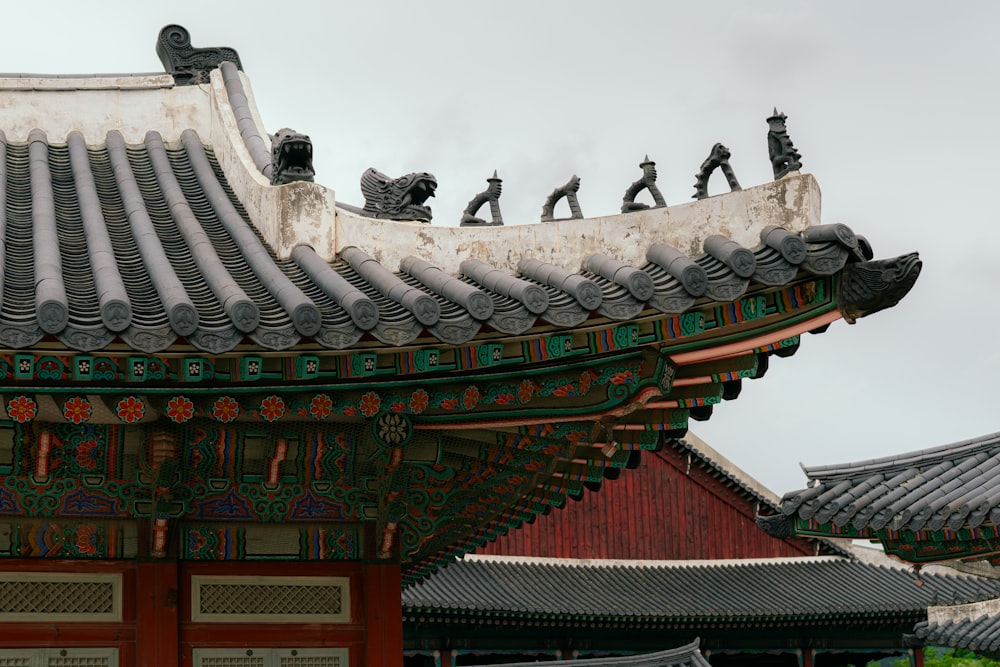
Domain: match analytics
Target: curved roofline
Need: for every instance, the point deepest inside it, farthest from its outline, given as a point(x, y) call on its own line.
point(913, 458)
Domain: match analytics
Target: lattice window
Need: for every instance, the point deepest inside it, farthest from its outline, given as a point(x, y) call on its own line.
point(50, 596)
point(59, 657)
point(276, 657)
point(270, 599)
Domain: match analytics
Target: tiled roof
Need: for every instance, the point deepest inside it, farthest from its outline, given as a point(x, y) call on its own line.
point(148, 243)
point(810, 588)
point(682, 656)
point(975, 627)
point(950, 487)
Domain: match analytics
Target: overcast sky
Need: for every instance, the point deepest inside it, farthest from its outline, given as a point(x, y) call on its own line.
point(894, 107)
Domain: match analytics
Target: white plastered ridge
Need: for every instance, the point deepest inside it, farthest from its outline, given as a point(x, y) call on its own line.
point(305, 213)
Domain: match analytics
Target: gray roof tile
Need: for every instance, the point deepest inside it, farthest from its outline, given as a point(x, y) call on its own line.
point(678, 591)
point(955, 486)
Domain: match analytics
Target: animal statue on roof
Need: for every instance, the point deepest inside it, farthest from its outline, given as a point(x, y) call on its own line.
point(291, 157)
point(717, 159)
point(784, 158)
point(646, 182)
point(868, 287)
point(568, 191)
point(397, 198)
point(490, 195)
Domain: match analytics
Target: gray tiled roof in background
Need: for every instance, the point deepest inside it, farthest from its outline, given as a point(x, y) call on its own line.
point(953, 486)
point(975, 627)
point(816, 588)
point(682, 656)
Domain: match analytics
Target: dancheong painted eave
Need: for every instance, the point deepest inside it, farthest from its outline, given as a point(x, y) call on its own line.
point(376, 388)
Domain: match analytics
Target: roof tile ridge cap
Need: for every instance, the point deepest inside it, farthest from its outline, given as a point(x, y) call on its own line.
point(51, 300)
point(709, 453)
point(420, 304)
point(259, 151)
point(904, 459)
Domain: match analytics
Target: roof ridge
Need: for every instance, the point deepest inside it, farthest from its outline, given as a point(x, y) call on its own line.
point(713, 456)
point(904, 459)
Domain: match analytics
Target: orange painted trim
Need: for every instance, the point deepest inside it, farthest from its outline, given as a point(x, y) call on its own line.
point(750, 344)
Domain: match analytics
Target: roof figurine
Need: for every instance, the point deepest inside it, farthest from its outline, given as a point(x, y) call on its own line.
point(784, 158)
point(291, 157)
point(718, 158)
point(397, 198)
point(568, 191)
point(646, 182)
point(490, 195)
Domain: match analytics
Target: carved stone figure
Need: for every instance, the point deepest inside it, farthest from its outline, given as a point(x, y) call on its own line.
point(718, 158)
point(868, 287)
point(397, 198)
point(784, 157)
point(646, 182)
point(492, 195)
point(291, 157)
point(188, 65)
point(569, 192)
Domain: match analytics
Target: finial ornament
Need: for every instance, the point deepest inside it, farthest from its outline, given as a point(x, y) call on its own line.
point(190, 66)
point(646, 182)
point(492, 195)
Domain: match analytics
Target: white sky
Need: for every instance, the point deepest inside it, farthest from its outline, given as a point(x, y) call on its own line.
point(893, 105)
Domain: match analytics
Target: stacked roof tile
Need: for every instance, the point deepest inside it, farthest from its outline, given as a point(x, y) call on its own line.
point(821, 589)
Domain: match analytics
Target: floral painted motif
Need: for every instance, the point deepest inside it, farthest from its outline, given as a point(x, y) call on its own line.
point(88, 454)
point(470, 397)
point(449, 404)
point(180, 409)
point(393, 429)
point(22, 409)
point(397, 406)
point(586, 378)
point(130, 409)
point(225, 409)
point(87, 540)
point(525, 391)
point(370, 404)
point(77, 410)
point(321, 406)
point(350, 411)
point(564, 390)
point(623, 377)
point(272, 408)
point(504, 399)
point(418, 401)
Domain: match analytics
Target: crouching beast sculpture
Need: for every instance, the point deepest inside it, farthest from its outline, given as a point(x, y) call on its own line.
point(397, 198)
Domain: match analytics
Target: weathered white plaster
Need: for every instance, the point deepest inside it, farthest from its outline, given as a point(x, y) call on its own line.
point(792, 203)
point(963, 612)
point(132, 105)
point(286, 215)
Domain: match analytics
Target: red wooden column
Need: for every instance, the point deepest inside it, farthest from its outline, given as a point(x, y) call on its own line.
point(917, 657)
point(807, 657)
point(157, 634)
point(383, 584)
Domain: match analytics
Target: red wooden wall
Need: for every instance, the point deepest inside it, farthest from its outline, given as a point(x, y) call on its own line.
point(658, 511)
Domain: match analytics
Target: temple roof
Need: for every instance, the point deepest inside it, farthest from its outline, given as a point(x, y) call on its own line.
point(931, 504)
point(680, 592)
